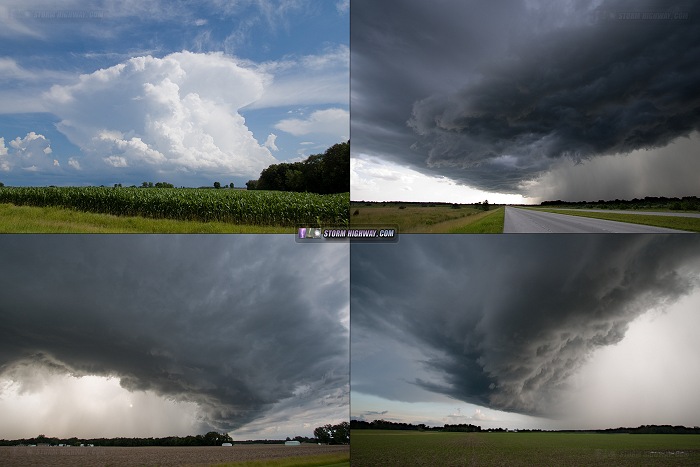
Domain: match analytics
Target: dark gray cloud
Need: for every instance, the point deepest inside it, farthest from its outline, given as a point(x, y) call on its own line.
point(505, 323)
point(494, 95)
point(236, 324)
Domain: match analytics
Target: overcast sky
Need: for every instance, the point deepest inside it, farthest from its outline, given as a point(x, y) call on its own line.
point(523, 332)
point(524, 101)
point(112, 91)
point(172, 335)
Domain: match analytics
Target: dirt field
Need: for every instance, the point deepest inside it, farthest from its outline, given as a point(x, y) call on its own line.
point(161, 456)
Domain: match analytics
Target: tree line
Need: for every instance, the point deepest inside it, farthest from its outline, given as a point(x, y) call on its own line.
point(387, 425)
point(324, 174)
point(643, 429)
point(686, 203)
point(327, 434)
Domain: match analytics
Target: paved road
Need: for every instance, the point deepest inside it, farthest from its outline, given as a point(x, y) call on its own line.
point(527, 221)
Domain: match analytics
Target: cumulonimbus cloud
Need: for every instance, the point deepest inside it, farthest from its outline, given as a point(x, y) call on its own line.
point(176, 113)
point(207, 321)
point(496, 96)
point(506, 324)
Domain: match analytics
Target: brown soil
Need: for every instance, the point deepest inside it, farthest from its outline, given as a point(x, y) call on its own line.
point(161, 456)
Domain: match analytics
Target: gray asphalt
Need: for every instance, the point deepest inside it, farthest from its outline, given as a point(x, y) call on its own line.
point(527, 221)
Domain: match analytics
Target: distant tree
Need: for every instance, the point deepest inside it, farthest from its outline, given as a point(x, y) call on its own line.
point(217, 185)
point(485, 205)
point(341, 433)
point(216, 439)
point(150, 184)
point(230, 185)
point(2, 184)
point(323, 434)
point(333, 434)
point(144, 185)
point(251, 185)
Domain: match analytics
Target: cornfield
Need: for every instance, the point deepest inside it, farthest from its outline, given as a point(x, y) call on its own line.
point(234, 206)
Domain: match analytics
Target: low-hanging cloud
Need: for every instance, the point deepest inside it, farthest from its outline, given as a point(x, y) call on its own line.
point(201, 320)
point(179, 113)
point(506, 324)
point(502, 102)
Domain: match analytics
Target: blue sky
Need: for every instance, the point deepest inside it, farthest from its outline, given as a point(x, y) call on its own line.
point(184, 92)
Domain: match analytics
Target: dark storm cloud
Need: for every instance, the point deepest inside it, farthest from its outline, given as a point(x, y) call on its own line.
point(505, 324)
point(493, 95)
point(233, 323)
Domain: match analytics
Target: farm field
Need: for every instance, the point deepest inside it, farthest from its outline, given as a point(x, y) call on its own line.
point(428, 218)
point(237, 455)
point(408, 448)
point(239, 207)
point(30, 219)
point(670, 221)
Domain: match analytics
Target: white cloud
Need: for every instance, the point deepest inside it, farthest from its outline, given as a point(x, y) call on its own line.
point(29, 153)
point(334, 122)
point(73, 162)
point(4, 163)
point(9, 69)
point(342, 6)
point(311, 79)
point(176, 113)
point(270, 142)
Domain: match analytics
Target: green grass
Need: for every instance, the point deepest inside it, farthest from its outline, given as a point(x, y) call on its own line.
point(338, 459)
point(691, 224)
point(489, 223)
point(263, 208)
point(29, 219)
point(380, 448)
point(414, 218)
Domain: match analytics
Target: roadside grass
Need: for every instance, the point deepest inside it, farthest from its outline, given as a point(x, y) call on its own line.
point(691, 224)
point(412, 218)
point(490, 222)
point(338, 459)
point(30, 219)
point(388, 447)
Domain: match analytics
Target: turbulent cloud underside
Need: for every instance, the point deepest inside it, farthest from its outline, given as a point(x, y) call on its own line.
point(508, 328)
point(201, 320)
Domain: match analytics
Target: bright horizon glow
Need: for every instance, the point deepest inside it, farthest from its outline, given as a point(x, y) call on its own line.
point(372, 179)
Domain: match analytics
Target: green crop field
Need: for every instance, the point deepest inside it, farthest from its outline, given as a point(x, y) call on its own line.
point(411, 448)
point(241, 207)
point(427, 218)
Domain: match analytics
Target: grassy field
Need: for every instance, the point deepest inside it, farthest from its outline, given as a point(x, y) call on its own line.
point(410, 448)
point(239, 207)
point(30, 219)
point(691, 224)
point(428, 218)
point(249, 455)
point(340, 459)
